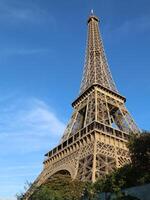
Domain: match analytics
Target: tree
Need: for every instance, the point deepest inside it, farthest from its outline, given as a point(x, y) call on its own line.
point(139, 147)
point(60, 187)
point(133, 174)
point(44, 193)
point(20, 195)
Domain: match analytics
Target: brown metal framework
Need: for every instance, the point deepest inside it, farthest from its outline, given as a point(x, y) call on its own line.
point(94, 142)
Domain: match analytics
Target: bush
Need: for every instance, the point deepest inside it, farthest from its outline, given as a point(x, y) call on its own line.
point(139, 147)
point(59, 187)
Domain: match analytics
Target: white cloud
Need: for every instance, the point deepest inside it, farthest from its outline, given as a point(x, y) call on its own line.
point(28, 126)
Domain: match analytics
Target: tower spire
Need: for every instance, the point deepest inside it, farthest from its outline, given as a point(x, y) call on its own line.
point(92, 12)
point(96, 69)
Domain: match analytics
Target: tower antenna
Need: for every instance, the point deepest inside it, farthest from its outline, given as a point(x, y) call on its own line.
point(92, 11)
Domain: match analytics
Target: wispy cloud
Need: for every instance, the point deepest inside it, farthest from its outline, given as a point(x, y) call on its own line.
point(27, 126)
point(23, 11)
point(8, 198)
point(139, 24)
point(23, 51)
point(130, 27)
point(17, 15)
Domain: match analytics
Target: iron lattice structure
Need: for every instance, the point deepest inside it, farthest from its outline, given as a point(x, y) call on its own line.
point(94, 142)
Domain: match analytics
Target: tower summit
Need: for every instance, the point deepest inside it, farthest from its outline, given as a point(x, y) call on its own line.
point(96, 70)
point(94, 142)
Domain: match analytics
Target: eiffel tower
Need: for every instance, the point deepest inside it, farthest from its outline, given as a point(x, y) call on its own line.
point(94, 142)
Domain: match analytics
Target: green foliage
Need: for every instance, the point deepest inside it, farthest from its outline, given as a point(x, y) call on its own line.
point(120, 178)
point(26, 187)
point(88, 192)
point(136, 173)
point(60, 187)
point(139, 147)
point(44, 194)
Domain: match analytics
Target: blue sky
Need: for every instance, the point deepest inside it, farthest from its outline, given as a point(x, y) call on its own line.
point(42, 46)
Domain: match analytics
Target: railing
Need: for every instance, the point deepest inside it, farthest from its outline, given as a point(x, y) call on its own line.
point(97, 126)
